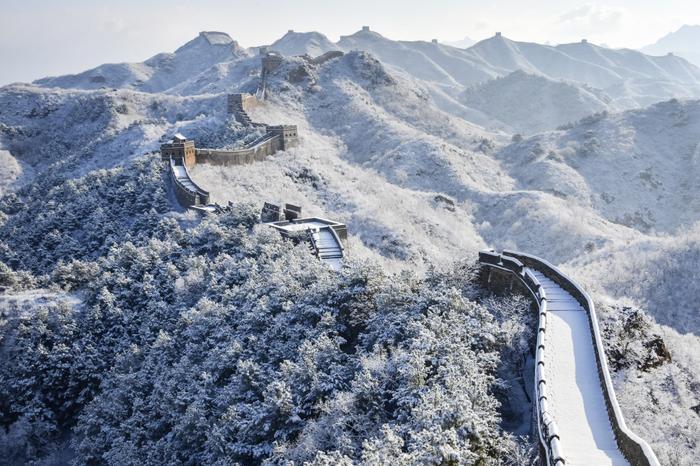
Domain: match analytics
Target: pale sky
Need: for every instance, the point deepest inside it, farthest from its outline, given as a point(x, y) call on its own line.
point(47, 37)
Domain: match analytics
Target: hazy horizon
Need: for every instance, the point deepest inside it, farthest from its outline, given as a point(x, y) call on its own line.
point(39, 39)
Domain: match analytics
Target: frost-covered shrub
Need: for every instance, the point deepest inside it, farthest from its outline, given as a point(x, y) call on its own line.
point(81, 218)
point(220, 344)
point(631, 341)
point(10, 279)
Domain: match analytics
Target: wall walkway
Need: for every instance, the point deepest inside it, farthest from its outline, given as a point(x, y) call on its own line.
point(579, 421)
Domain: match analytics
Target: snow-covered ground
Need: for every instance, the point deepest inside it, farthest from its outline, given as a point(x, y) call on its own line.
point(32, 298)
point(12, 173)
point(303, 43)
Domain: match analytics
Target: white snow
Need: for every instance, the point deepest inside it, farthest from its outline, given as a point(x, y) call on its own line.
point(328, 246)
point(574, 394)
point(305, 224)
point(183, 177)
point(30, 300)
point(12, 171)
point(630, 78)
point(588, 197)
point(158, 73)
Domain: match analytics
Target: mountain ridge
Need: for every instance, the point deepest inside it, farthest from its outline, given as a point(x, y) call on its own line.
point(630, 78)
point(682, 42)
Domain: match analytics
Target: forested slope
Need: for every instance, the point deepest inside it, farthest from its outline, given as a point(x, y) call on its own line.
point(217, 342)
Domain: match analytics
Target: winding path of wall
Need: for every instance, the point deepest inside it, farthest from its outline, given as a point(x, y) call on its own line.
point(579, 421)
point(324, 240)
point(327, 246)
point(188, 193)
point(257, 150)
point(276, 138)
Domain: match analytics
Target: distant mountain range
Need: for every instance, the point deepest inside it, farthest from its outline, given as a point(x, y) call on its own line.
point(587, 77)
point(684, 42)
point(600, 77)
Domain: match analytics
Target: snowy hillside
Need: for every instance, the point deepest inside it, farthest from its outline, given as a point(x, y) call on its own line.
point(159, 73)
point(461, 44)
point(389, 134)
point(683, 42)
point(526, 103)
point(638, 168)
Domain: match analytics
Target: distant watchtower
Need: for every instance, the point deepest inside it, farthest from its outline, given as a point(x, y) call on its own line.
point(271, 61)
point(180, 149)
point(365, 28)
point(498, 34)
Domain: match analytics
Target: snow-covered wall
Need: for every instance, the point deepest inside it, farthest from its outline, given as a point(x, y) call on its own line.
point(521, 265)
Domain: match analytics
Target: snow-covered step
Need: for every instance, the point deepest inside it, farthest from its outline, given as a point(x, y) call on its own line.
point(564, 306)
point(327, 246)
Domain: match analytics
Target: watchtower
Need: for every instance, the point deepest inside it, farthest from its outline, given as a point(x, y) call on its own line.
point(180, 149)
point(287, 133)
point(271, 61)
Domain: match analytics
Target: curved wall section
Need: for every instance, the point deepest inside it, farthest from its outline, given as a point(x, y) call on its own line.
point(567, 301)
point(257, 151)
point(188, 193)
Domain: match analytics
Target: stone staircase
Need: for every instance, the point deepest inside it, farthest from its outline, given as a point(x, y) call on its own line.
point(241, 115)
point(327, 245)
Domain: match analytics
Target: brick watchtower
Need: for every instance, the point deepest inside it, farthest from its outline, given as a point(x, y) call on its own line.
point(180, 149)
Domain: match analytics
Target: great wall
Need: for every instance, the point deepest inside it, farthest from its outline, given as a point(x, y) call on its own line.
point(325, 237)
point(577, 419)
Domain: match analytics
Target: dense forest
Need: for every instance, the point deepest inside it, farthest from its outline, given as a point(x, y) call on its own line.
point(215, 341)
